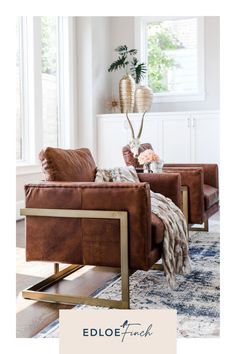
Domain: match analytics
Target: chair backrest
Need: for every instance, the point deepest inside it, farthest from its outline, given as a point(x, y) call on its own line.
point(129, 158)
point(68, 165)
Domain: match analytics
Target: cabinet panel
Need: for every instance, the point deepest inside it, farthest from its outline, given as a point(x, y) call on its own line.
point(112, 136)
point(205, 138)
point(176, 139)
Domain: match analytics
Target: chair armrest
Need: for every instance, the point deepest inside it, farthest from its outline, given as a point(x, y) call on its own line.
point(77, 195)
point(88, 241)
point(192, 177)
point(210, 172)
point(167, 184)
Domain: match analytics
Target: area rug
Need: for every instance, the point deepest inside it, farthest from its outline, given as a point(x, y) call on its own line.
point(196, 297)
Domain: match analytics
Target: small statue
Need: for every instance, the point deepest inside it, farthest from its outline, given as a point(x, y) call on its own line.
point(135, 142)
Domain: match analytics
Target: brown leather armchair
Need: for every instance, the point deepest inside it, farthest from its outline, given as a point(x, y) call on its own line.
point(201, 181)
point(72, 219)
point(129, 158)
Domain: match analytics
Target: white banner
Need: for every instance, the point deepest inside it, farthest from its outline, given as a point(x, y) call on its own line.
point(117, 331)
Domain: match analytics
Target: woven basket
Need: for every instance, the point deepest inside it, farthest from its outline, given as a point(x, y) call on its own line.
point(126, 92)
point(143, 98)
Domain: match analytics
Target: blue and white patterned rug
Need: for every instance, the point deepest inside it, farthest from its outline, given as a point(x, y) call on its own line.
point(196, 297)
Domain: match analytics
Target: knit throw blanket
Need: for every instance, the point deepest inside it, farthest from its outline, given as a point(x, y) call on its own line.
point(175, 257)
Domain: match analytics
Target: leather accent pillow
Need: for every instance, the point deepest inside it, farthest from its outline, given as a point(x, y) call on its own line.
point(68, 165)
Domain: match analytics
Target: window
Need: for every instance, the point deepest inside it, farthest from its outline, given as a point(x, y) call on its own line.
point(18, 93)
point(172, 48)
point(42, 65)
point(49, 50)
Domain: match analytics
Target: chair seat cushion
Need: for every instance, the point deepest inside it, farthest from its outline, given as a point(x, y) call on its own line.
point(157, 230)
point(211, 195)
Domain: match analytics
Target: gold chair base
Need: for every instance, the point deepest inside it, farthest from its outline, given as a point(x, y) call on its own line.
point(157, 266)
point(205, 227)
point(36, 291)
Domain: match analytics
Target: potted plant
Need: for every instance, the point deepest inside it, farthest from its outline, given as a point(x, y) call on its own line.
point(134, 72)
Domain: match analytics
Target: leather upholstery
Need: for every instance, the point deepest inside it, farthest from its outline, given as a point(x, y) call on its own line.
point(70, 185)
point(130, 160)
point(201, 180)
point(211, 211)
point(210, 171)
point(90, 241)
point(167, 184)
point(68, 165)
point(203, 191)
point(211, 195)
point(157, 230)
point(193, 179)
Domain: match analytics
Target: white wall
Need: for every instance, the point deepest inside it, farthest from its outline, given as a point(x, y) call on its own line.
point(21, 180)
point(101, 58)
point(94, 85)
point(101, 55)
point(84, 83)
point(122, 32)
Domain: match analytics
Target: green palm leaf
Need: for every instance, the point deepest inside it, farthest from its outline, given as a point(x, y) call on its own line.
point(118, 64)
point(122, 49)
point(127, 59)
point(133, 51)
point(138, 70)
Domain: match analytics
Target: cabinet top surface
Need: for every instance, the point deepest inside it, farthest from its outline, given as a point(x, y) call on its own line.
point(156, 114)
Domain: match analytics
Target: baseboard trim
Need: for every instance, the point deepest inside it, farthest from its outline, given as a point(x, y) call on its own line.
point(20, 204)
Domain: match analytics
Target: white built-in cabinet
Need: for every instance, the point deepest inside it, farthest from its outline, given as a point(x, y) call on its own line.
point(175, 136)
point(176, 139)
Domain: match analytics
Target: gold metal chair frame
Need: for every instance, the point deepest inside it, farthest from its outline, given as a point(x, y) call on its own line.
point(205, 227)
point(36, 291)
point(184, 191)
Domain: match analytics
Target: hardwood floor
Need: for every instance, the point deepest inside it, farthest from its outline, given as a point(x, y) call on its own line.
point(31, 316)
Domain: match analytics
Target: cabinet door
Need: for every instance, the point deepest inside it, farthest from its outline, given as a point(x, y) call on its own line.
point(112, 136)
point(176, 147)
point(205, 137)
